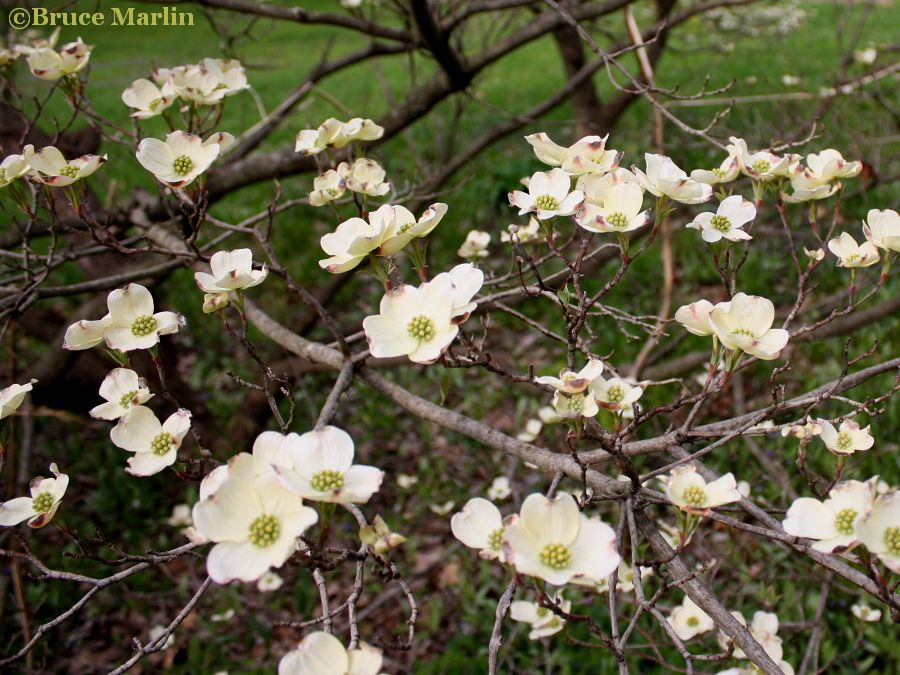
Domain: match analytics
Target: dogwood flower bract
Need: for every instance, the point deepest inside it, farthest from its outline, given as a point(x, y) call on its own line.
point(882, 228)
point(11, 168)
point(475, 245)
point(733, 213)
point(182, 157)
point(365, 176)
point(879, 530)
point(123, 391)
point(762, 165)
point(48, 64)
point(479, 525)
point(544, 622)
point(587, 156)
point(850, 254)
point(327, 187)
point(690, 492)
point(549, 195)
point(323, 654)
point(688, 620)
point(12, 396)
point(847, 439)
point(573, 398)
point(663, 178)
point(695, 317)
point(51, 168)
point(40, 507)
point(831, 523)
point(154, 444)
point(620, 212)
point(615, 394)
point(147, 99)
point(231, 271)
point(745, 324)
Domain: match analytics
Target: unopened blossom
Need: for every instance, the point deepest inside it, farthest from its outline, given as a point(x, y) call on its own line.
point(816, 255)
point(549, 195)
point(762, 165)
point(365, 176)
point(726, 172)
point(802, 431)
point(12, 396)
point(123, 390)
point(326, 188)
point(555, 542)
point(865, 613)
point(480, 525)
point(587, 156)
point(147, 99)
point(882, 228)
point(11, 168)
point(322, 469)
point(522, 234)
point(544, 621)
point(852, 255)
point(499, 489)
point(214, 302)
point(380, 537)
point(154, 444)
point(321, 653)
point(573, 398)
point(531, 431)
point(268, 582)
point(40, 507)
point(130, 323)
point(832, 523)
point(422, 322)
point(663, 178)
point(846, 439)
point(48, 64)
point(231, 271)
point(733, 213)
point(688, 620)
point(50, 167)
point(806, 188)
point(475, 245)
point(690, 492)
point(615, 394)
point(620, 212)
point(695, 317)
point(879, 530)
point(182, 157)
point(255, 528)
point(337, 134)
point(745, 324)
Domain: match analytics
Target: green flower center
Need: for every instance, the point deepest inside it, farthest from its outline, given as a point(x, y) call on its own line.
point(721, 223)
point(892, 540)
point(843, 521)
point(844, 440)
point(573, 404)
point(542, 612)
point(743, 331)
point(143, 325)
point(182, 165)
point(495, 539)
point(2, 175)
point(615, 394)
point(421, 328)
point(617, 219)
point(161, 444)
point(154, 104)
point(693, 621)
point(327, 480)
point(264, 531)
point(718, 172)
point(547, 203)
point(42, 503)
point(694, 496)
point(761, 165)
point(128, 399)
point(852, 258)
point(556, 556)
point(332, 192)
point(69, 171)
point(405, 228)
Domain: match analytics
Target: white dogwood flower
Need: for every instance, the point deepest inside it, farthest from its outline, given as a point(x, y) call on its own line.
point(829, 165)
point(549, 195)
point(596, 185)
point(615, 394)
point(879, 530)
point(832, 523)
point(553, 541)
point(587, 156)
point(531, 431)
point(499, 489)
point(48, 64)
point(850, 254)
point(690, 492)
point(130, 323)
point(620, 212)
point(544, 622)
point(154, 444)
point(50, 167)
point(41, 506)
point(402, 226)
point(764, 629)
point(726, 172)
point(123, 391)
point(359, 129)
point(806, 188)
point(573, 398)
point(180, 516)
point(475, 245)
point(865, 613)
point(745, 324)
point(254, 527)
point(321, 653)
point(480, 525)
point(733, 213)
point(206, 82)
point(663, 178)
point(270, 581)
point(762, 165)
point(688, 620)
point(147, 99)
point(847, 439)
point(12, 396)
point(182, 157)
point(326, 188)
point(231, 271)
point(337, 134)
point(882, 228)
point(11, 168)
point(322, 469)
point(365, 176)
point(695, 317)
